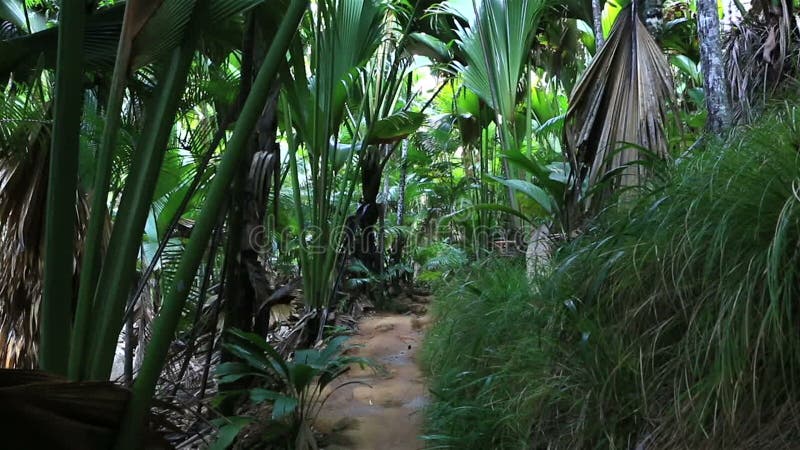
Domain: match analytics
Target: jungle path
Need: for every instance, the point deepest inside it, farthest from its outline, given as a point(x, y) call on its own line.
point(387, 415)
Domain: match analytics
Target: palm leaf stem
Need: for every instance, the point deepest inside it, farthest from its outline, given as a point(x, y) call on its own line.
point(165, 324)
point(56, 315)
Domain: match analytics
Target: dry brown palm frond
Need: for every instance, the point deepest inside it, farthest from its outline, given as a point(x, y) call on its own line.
point(761, 54)
point(46, 411)
point(22, 196)
point(23, 186)
point(621, 99)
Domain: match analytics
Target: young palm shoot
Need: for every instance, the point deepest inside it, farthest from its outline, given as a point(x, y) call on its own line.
point(346, 34)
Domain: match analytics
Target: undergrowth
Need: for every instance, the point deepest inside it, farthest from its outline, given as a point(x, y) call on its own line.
point(479, 355)
point(671, 323)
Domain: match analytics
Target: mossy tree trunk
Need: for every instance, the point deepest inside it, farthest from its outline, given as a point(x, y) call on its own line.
point(597, 22)
point(719, 116)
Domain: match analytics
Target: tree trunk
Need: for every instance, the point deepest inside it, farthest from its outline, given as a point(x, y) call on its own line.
point(248, 285)
point(719, 116)
point(597, 18)
point(369, 211)
point(397, 251)
point(507, 140)
point(400, 242)
point(128, 370)
point(382, 226)
point(239, 295)
point(539, 250)
point(513, 222)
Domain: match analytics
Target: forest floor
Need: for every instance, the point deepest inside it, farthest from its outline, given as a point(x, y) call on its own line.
point(386, 414)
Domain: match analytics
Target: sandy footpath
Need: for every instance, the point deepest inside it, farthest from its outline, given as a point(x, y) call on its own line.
point(387, 415)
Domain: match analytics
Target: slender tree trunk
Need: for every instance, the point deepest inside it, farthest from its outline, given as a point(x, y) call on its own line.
point(397, 251)
point(144, 316)
point(129, 344)
point(239, 294)
point(597, 19)
point(716, 90)
point(401, 198)
point(513, 222)
point(381, 237)
point(507, 140)
point(382, 225)
point(191, 342)
point(247, 282)
point(370, 210)
point(483, 216)
point(237, 306)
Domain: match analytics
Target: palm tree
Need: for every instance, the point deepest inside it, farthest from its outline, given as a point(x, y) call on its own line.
point(495, 48)
point(343, 37)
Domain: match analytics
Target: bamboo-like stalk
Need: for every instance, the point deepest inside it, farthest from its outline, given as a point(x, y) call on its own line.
point(116, 278)
point(56, 315)
point(90, 268)
point(191, 342)
point(194, 186)
point(165, 324)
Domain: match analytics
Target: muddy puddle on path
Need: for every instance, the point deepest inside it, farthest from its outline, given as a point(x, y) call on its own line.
point(387, 415)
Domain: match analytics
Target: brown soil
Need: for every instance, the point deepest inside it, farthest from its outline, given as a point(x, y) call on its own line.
point(387, 415)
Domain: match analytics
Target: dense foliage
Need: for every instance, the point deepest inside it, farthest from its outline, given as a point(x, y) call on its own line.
point(668, 323)
point(485, 357)
point(172, 171)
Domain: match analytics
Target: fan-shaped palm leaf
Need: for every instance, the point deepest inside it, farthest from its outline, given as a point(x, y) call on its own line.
point(23, 182)
point(156, 28)
point(496, 46)
point(622, 98)
point(346, 34)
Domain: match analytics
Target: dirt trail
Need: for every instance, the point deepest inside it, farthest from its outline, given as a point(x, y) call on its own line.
point(387, 416)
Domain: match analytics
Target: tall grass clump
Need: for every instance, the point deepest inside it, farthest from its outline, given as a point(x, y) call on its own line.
point(672, 322)
point(682, 322)
point(480, 356)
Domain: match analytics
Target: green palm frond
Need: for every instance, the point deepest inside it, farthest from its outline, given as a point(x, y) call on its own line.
point(100, 44)
point(344, 35)
point(21, 115)
point(495, 47)
point(621, 99)
point(347, 34)
point(161, 31)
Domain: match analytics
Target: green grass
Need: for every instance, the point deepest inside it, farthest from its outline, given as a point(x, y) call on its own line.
point(673, 320)
point(479, 355)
